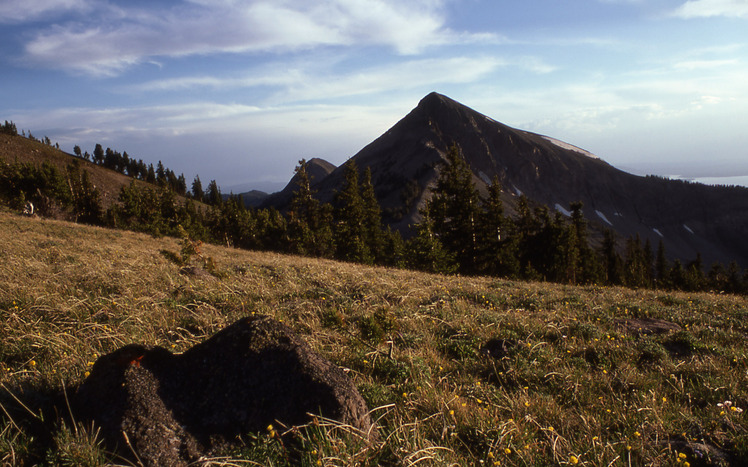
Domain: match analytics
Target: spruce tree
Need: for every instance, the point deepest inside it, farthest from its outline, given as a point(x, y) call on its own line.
point(662, 276)
point(612, 262)
point(376, 238)
point(350, 234)
point(497, 243)
point(425, 251)
point(455, 208)
point(197, 189)
point(309, 223)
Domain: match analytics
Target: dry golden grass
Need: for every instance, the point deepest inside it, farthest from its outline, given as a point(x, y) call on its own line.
point(573, 387)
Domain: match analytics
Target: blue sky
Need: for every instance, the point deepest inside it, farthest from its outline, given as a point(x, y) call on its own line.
point(239, 91)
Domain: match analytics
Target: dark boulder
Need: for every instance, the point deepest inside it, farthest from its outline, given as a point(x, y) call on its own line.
point(171, 409)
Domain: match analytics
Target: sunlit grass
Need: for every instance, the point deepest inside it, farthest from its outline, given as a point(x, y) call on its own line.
point(568, 384)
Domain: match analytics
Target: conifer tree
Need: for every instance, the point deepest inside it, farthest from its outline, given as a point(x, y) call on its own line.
point(425, 251)
point(662, 276)
point(588, 267)
point(375, 234)
point(612, 262)
point(98, 154)
point(351, 235)
point(151, 174)
point(309, 223)
point(213, 194)
point(197, 189)
point(454, 208)
point(497, 243)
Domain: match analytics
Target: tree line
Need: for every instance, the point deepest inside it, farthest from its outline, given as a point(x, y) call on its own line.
point(460, 231)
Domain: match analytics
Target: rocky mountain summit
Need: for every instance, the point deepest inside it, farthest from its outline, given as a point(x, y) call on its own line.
point(689, 218)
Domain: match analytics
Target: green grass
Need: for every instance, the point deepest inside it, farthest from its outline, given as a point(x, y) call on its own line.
point(572, 384)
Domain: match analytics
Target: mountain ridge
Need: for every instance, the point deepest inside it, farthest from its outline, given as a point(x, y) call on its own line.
point(690, 218)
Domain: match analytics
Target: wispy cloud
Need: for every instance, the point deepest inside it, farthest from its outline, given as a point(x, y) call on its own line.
point(711, 8)
point(121, 37)
point(14, 12)
point(305, 82)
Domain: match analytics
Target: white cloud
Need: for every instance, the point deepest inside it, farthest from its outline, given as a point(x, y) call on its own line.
point(303, 81)
point(15, 12)
point(711, 8)
point(691, 65)
point(120, 37)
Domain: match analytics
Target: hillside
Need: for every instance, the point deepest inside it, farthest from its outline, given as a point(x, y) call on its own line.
point(689, 218)
point(480, 372)
point(19, 149)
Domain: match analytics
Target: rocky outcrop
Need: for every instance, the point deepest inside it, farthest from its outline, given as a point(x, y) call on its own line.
point(171, 409)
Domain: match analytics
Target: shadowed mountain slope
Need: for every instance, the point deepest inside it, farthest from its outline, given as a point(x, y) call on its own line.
point(688, 217)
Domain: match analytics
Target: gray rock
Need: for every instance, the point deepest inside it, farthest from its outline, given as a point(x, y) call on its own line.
point(169, 410)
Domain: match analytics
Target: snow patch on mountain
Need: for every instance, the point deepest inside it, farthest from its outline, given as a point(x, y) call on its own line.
point(688, 228)
point(570, 147)
point(602, 216)
point(658, 233)
point(563, 211)
point(517, 190)
point(484, 177)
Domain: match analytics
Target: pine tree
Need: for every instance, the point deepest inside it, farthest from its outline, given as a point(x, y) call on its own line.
point(497, 243)
point(161, 174)
point(425, 251)
point(309, 223)
point(213, 194)
point(662, 276)
point(98, 154)
point(455, 208)
point(197, 189)
point(151, 174)
point(376, 238)
point(612, 262)
point(351, 238)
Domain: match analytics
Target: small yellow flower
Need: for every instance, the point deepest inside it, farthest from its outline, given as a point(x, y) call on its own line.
point(270, 428)
point(507, 451)
point(452, 412)
point(573, 460)
point(637, 434)
point(32, 363)
point(86, 374)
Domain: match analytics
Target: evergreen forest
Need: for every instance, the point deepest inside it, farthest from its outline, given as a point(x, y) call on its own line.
point(461, 232)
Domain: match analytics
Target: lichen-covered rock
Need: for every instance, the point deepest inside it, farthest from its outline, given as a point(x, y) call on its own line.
point(171, 409)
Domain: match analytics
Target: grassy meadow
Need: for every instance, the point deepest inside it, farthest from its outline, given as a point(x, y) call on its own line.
point(457, 370)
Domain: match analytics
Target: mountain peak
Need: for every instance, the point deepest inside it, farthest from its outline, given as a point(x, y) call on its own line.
point(434, 100)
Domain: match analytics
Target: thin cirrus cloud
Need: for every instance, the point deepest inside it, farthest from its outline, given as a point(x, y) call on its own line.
point(712, 8)
point(307, 83)
point(11, 12)
point(119, 38)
